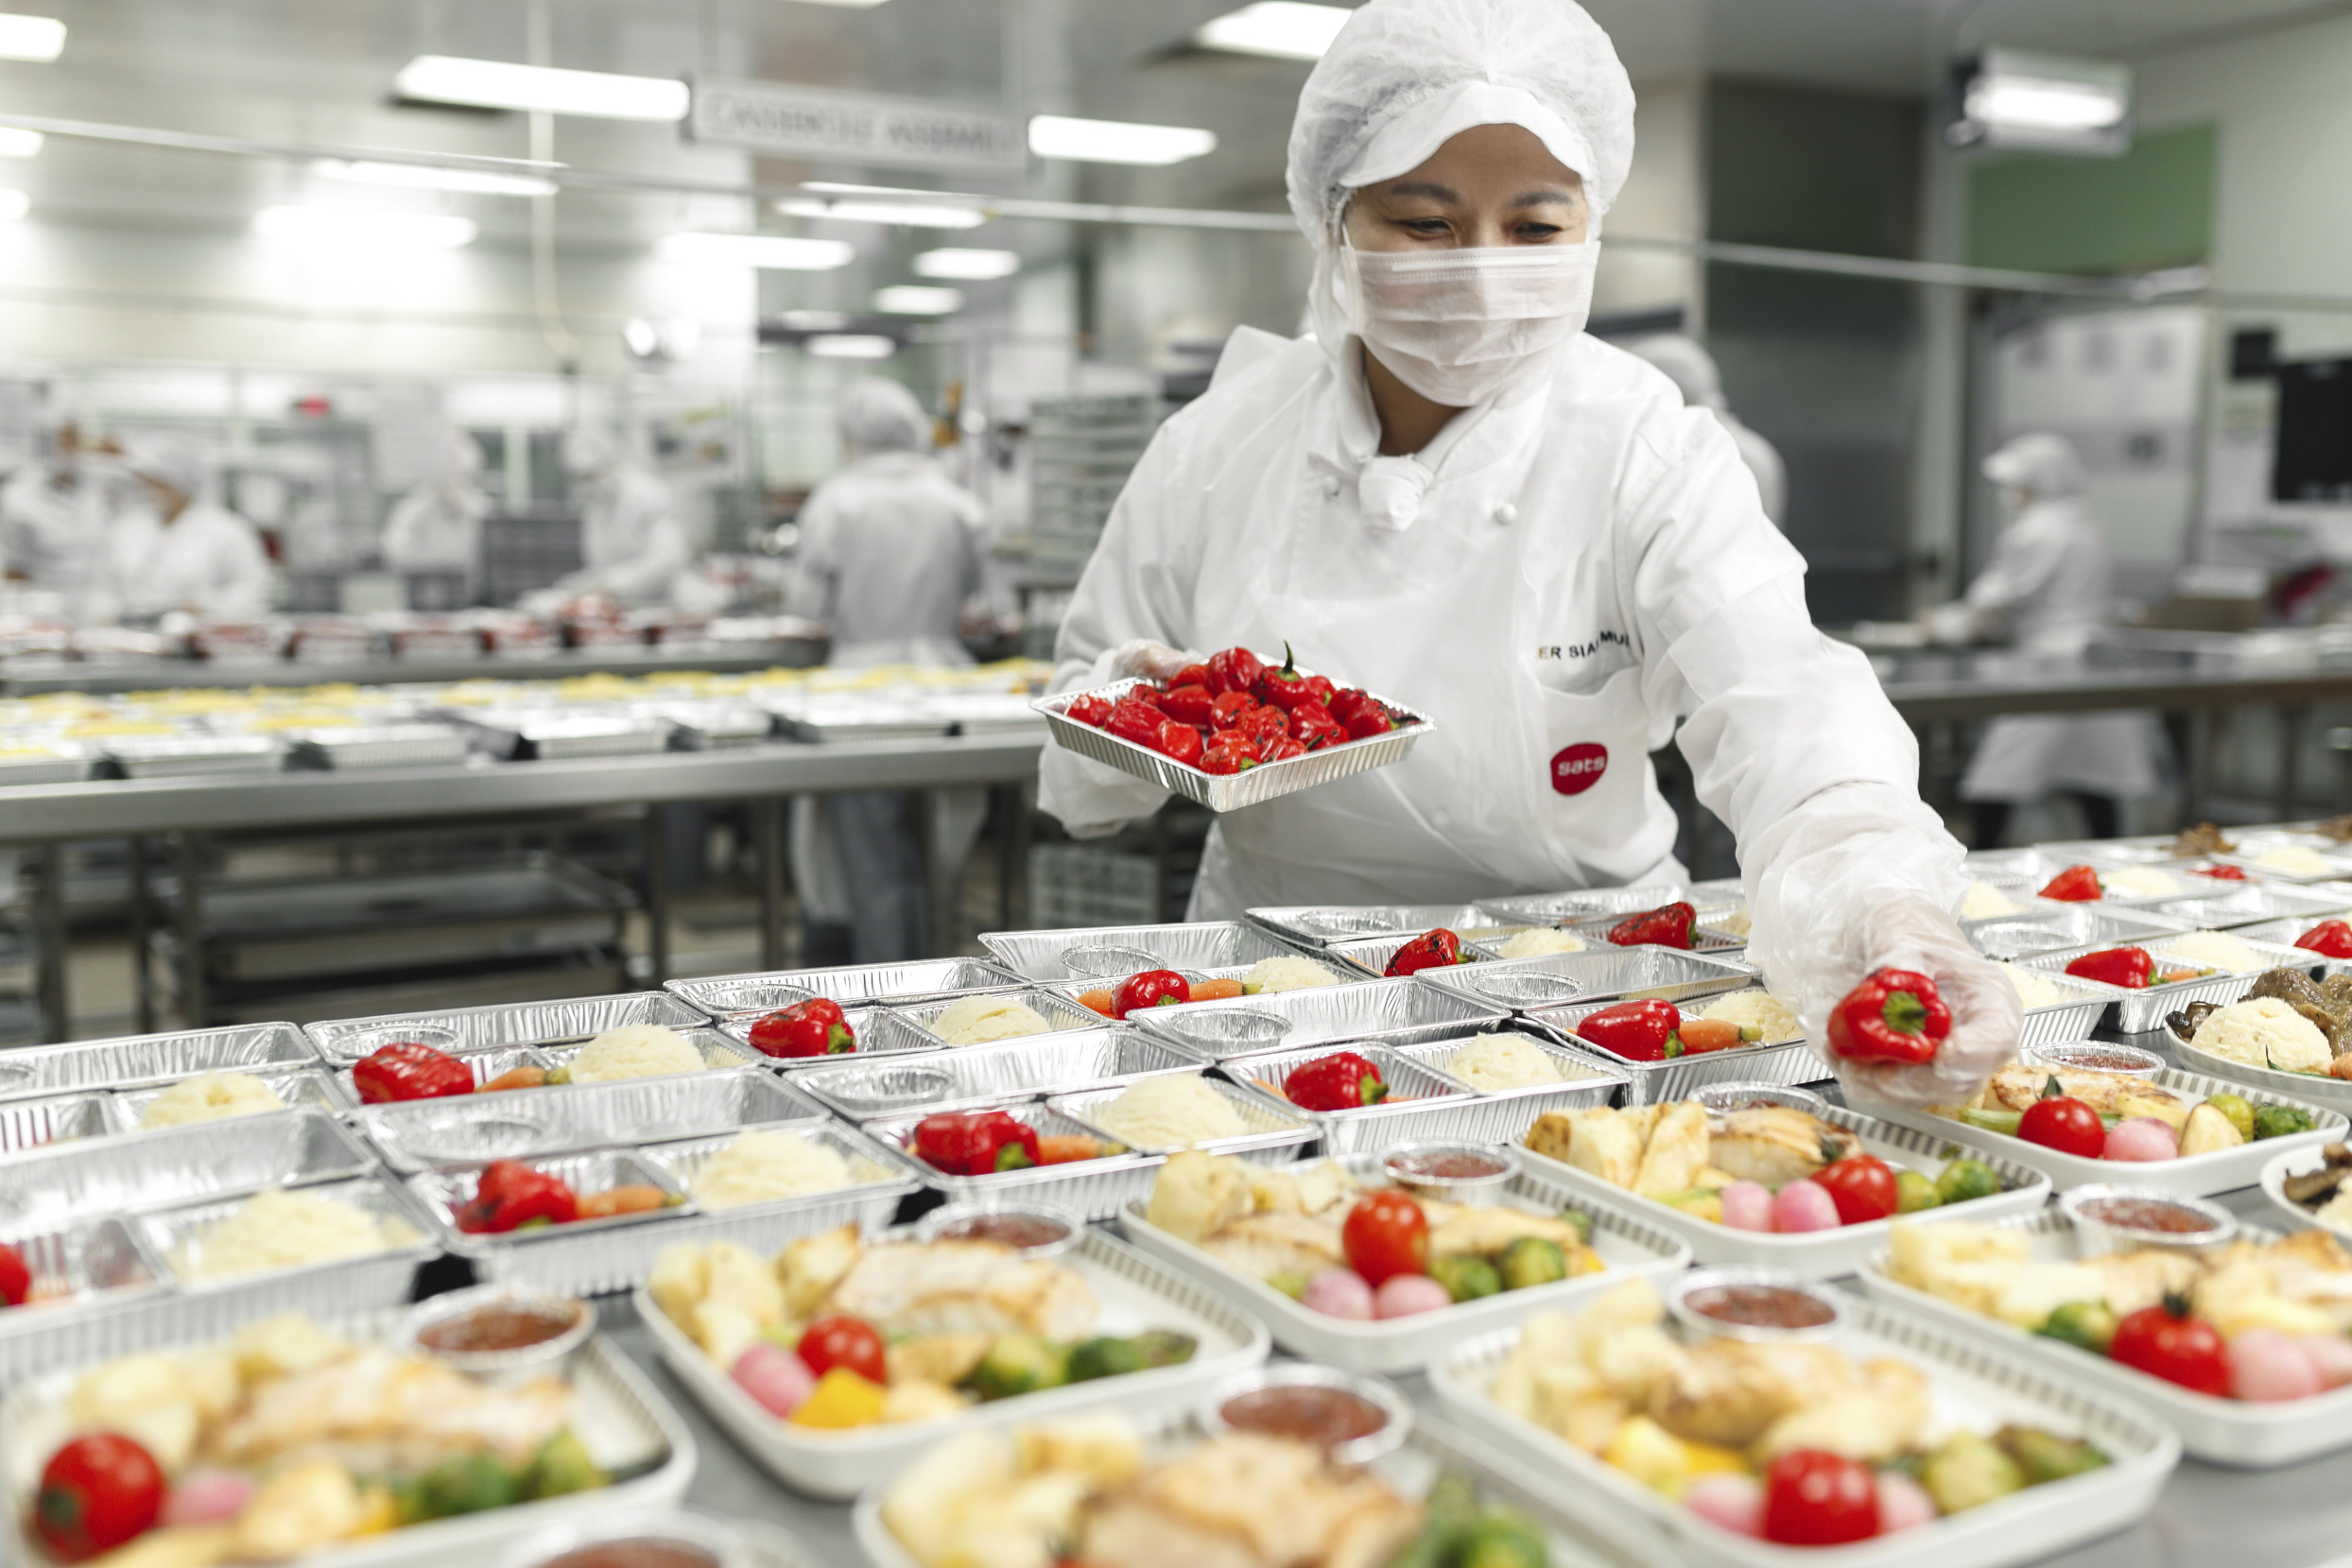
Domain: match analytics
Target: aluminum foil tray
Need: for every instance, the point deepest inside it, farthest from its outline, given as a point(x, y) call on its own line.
point(1060, 1012)
point(313, 1090)
point(2147, 850)
point(1579, 903)
point(473, 1128)
point(1371, 954)
point(441, 1194)
point(2135, 1011)
point(681, 1162)
point(2282, 934)
point(485, 1065)
point(362, 746)
point(879, 1031)
point(2054, 926)
point(1014, 1068)
point(919, 981)
point(55, 762)
point(1228, 792)
point(1394, 1012)
point(2249, 858)
point(116, 1175)
point(61, 1119)
point(152, 1058)
point(177, 1236)
point(552, 735)
point(346, 1039)
point(1199, 945)
point(1275, 1133)
point(721, 1052)
point(1778, 1063)
point(1703, 936)
point(1319, 925)
point(178, 756)
point(96, 1269)
point(1425, 1104)
point(1094, 1188)
point(1526, 985)
point(2263, 901)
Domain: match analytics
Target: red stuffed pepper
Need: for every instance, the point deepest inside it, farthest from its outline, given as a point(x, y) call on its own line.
point(1895, 1015)
point(1341, 1081)
point(1669, 925)
point(2221, 873)
point(510, 1195)
point(2075, 884)
point(1191, 705)
point(816, 1028)
point(407, 1071)
point(2329, 939)
point(1179, 742)
point(1431, 949)
point(1095, 711)
point(1136, 721)
point(974, 1143)
point(2128, 967)
point(1153, 987)
point(1639, 1031)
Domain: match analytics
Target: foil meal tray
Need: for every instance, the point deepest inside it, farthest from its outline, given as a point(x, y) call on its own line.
point(1507, 1113)
point(1394, 1012)
point(49, 762)
point(1095, 1189)
point(1527, 985)
point(1320, 925)
point(2280, 933)
point(2263, 901)
point(484, 1065)
point(1192, 945)
point(1371, 955)
point(527, 1123)
point(178, 1235)
point(59, 1119)
point(879, 1032)
point(553, 734)
point(721, 1052)
point(2042, 930)
point(358, 748)
point(1012, 1069)
point(1060, 1012)
point(1234, 791)
point(922, 981)
point(1423, 1103)
point(2137, 1011)
point(1704, 938)
point(309, 1090)
point(1274, 1132)
point(344, 1041)
point(1580, 904)
point(118, 1174)
point(181, 756)
point(1780, 1064)
point(40, 1070)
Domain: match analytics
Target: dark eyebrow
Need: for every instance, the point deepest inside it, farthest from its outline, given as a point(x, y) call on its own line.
point(1545, 198)
point(1429, 188)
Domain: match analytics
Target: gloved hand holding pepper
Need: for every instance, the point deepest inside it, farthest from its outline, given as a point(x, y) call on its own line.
point(1951, 988)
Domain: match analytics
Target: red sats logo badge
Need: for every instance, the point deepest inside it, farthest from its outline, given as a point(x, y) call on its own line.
point(1577, 768)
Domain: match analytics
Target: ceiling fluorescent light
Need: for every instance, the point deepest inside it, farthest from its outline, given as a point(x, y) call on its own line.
point(13, 205)
point(38, 39)
point(2005, 98)
point(2032, 105)
point(918, 299)
point(358, 228)
point(496, 84)
point(1116, 141)
point(1284, 29)
point(422, 177)
point(853, 345)
point(780, 251)
point(20, 143)
point(914, 214)
point(967, 266)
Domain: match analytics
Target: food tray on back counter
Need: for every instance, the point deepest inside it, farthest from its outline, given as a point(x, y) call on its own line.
point(43, 1070)
point(1321, 924)
point(878, 1031)
point(1778, 1063)
point(922, 981)
point(1137, 1292)
point(116, 1175)
point(1527, 985)
point(1092, 1189)
point(1392, 1012)
point(467, 1129)
point(1274, 1130)
point(2263, 901)
point(1964, 1377)
point(344, 1041)
point(968, 1075)
point(1231, 791)
point(2137, 1011)
point(2284, 934)
point(1060, 1013)
point(2194, 1175)
point(1203, 944)
point(2052, 926)
point(1629, 1245)
point(181, 756)
point(592, 1257)
point(1580, 904)
point(626, 1425)
point(1425, 1104)
point(1704, 938)
point(2241, 1434)
point(345, 748)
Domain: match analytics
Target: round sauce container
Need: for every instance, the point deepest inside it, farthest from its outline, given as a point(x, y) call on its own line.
point(2147, 1214)
point(1761, 1306)
point(495, 1328)
point(1764, 1305)
point(1012, 1228)
point(1447, 1165)
point(2111, 1217)
point(1315, 1413)
point(1468, 1173)
point(645, 1552)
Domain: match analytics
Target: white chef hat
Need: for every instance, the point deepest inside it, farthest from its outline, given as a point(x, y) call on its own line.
point(875, 414)
point(178, 462)
point(2044, 464)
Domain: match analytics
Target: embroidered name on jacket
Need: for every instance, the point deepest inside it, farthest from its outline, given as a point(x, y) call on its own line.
point(1585, 651)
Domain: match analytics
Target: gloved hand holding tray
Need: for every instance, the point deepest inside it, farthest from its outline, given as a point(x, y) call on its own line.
point(1233, 732)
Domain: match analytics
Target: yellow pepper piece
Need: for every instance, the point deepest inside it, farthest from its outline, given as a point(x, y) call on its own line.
point(1651, 1455)
point(379, 1509)
point(840, 1400)
point(1712, 1460)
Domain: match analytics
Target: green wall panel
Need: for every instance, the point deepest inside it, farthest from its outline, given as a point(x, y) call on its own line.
point(2150, 208)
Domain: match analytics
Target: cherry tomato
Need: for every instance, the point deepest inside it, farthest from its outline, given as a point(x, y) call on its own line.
point(2066, 1124)
point(1386, 1234)
point(839, 1341)
point(2164, 1341)
point(16, 1280)
point(1815, 1498)
point(1861, 1185)
point(98, 1491)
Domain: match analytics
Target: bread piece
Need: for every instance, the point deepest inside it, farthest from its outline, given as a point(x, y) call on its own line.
point(1677, 1151)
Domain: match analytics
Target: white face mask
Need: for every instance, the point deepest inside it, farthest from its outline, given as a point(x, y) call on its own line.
point(1458, 326)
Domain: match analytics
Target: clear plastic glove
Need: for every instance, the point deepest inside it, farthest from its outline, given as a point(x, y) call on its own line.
point(1913, 934)
point(1142, 659)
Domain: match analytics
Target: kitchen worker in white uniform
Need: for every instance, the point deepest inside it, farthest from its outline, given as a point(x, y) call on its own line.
point(53, 521)
point(437, 525)
point(890, 550)
point(632, 547)
point(172, 548)
point(2049, 589)
point(1693, 371)
point(1451, 495)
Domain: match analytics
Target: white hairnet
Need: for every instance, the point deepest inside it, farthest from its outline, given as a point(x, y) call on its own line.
point(465, 454)
point(1689, 367)
point(178, 462)
point(589, 449)
point(1405, 75)
point(2043, 464)
point(875, 414)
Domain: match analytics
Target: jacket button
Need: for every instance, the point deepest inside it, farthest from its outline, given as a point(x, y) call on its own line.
point(1506, 513)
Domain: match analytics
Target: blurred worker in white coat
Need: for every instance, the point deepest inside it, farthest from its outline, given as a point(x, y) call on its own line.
point(890, 549)
point(632, 545)
point(174, 548)
point(1455, 497)
point(53, 521)
point(1693, 371)
point(437, 525)
point(2049, 589)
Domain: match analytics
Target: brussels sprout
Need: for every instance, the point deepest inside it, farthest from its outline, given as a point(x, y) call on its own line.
point(1019, 1364)
point(472, 1483)
point(1967, 1471)
point(2277, 1121)
point(1965, 1179)
point(2089, 1324)
point(1913, 1192)
point(1531, 1261)
point(562, 1467)
point(2044, 1458)
point(1465, 1279)
point(1104, 1357)
point(1164, 1347)
point(1581, 1221)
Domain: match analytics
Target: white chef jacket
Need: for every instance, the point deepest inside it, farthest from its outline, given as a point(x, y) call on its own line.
point(630, 544)
point(52, 534)
point(1763, 462)
point(1589, 563)
point(207, 561)
point(890, 551)
point(437, 527)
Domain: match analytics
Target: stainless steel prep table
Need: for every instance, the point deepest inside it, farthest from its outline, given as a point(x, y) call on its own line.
point(21, 679)
point(42, 816)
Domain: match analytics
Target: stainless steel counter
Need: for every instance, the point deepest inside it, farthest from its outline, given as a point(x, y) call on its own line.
point(26, 680)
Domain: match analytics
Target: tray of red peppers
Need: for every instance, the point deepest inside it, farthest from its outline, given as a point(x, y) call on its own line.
point(1235, 729)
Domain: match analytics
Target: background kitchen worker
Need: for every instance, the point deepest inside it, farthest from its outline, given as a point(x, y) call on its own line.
point(1454, 497)
point(890, 550)
point(174, 548)
point(53, 521)
point(2049, 589)
point(437, 525)
point(630, 544)
point(1692, 371)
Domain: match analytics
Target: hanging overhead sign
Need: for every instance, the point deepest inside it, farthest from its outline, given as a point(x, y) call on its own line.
point(864, 128)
